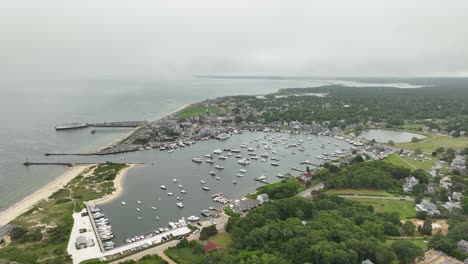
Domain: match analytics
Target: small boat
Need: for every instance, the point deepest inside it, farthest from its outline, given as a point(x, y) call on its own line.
point(206, 188)
point(217, 151)
point(280, 175)
point(229, 154)
point(274, 158)
point(183, 191)
point(179, 198)
point(208, 156)
point(139, 202)
point(197, 159)
point(222, 157)
point(162, 148)
point(243, 145)
point(264, 155)
point(264, 160)
point(254, 157)
point(235, 151)
point(239, 175)
point(170, 151)
point(238, 156)
point(193, 218)
point(139, 218)
point(219, 167)
point(243, 170)
point(223, 136)
point(154, 208)
point(261, 177)
point(180, 186)
point(212, 173)
point(203, 182)
point(174, 180)
point(170, 194)
point(210, 161)
point(180, 205)
point(157, 218)
point(138, 209)
point(163, 187)
point(274, 164)
point(124, 203)
point(218, 178)
point(234, 181)
point(243, 162)
point(251, 149)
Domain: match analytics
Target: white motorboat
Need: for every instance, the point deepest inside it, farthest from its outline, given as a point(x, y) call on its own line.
point(212, 173)
point(163, 187)
point(243, 145)
point(222, 157)
point(180, 205)
point(261, 177)
point(217, 151)
point(170, 151)
point(183, 191)
point(193, 218)
point(203, 182)
point(264, 160)
point(219, 167)
point(197, 159)
point(223, 136)
point(210, 161)
point(180, 186)
point(124, 203)
point(174, 180)
point(254, 157)
point(218, 178)
point(229, 154)
point(243, 170)
point(274, 164)
point(243, 162)
point(179, 198)
point(280, 175)
point(154, 208)
point(138, 209)
point(208, 156)
point(234, 181)
point(239, 175)
point(139, 202)
point(264, 155)
point(206, 188)
point(238, 156)
point(170, 194)
point(235, 151)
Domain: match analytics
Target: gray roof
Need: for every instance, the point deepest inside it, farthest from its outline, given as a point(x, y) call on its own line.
point(81, 240)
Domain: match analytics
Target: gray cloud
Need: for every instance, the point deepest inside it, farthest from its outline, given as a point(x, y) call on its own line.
point(64, 39)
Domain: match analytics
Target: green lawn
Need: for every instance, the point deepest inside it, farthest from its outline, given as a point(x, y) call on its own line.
point(432, 142)
point(417, 241)
point(223, 239)
point(197, 110)
point(183, 255)
point(404, 208)
point(411, 163)
point(368, 192)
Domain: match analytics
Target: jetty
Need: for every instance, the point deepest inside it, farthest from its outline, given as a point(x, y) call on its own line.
point(70, 164)
point(262, 181)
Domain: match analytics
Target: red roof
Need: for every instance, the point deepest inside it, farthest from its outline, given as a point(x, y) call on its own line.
point(212, 245)
point(308, 174)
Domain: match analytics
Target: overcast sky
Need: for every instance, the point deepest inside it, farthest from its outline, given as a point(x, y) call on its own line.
point(131, 39)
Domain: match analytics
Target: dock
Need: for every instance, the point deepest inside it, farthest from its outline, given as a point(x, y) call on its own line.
point(262, 181)
point(69, 164)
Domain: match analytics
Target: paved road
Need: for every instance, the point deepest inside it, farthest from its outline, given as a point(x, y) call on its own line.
point(376, 197)
point(306, 192)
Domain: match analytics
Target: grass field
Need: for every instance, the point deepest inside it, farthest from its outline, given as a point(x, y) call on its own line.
point(417, 241)
point(223, 239)
point(432, 142)
point(410, 163)
point(368, 192)
point(404, 208)
point(183, 255)
point(197, 110)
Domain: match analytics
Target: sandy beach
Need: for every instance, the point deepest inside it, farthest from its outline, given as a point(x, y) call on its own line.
point(118, 184)
point(43, 193)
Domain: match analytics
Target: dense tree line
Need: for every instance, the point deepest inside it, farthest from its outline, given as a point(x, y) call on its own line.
point(325, 230)
point(375, 174)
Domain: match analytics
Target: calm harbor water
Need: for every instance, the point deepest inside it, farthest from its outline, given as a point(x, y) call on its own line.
point(142, 183)
point(383, 135)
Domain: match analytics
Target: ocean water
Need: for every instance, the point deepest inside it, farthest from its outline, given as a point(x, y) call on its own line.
point(29, 113)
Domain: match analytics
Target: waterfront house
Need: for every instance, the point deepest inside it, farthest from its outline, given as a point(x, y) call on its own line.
point(450, 206)
point(458, 164)
point(212, 246)
point(428, 207)
point(305, 178)
point(263, 198)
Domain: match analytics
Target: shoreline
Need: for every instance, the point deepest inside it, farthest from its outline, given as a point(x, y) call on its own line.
point(118, 185)
point(43, 193)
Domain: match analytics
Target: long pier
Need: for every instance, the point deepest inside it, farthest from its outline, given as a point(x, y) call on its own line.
point(70, 164)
